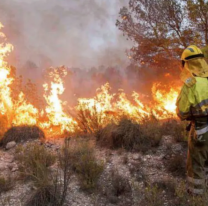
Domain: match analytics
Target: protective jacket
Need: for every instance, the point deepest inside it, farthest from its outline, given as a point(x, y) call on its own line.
point(192, 101)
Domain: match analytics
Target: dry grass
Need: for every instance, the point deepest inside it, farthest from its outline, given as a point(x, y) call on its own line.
point(176, 129)
point(22, 134)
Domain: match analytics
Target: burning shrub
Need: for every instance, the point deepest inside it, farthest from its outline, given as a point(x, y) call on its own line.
point(88, 121)
point(22, 133)
point(3, 125)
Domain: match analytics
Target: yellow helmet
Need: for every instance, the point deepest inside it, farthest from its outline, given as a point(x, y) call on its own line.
point(193, 61)
point(191, 52)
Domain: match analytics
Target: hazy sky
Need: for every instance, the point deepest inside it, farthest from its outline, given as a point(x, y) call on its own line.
point(70, 32)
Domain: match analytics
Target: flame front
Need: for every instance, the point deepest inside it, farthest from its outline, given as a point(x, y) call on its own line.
point(105, 105)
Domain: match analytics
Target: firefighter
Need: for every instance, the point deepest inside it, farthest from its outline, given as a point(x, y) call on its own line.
point(192, 104)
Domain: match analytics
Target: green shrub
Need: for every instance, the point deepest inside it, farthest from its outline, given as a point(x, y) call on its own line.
point(5, 184)
point(34, 161)
point(183, 198)
point(22, 134)
point(120, 184)
point(176, 165)
point(152, 196)
point(85, 164)
point(43, 196)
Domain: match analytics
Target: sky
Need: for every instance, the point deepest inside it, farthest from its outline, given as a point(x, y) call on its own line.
point(75, 33)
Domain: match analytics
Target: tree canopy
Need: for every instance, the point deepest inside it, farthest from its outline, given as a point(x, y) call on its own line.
point(161, 29)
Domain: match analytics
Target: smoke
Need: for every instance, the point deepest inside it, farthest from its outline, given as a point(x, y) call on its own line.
point(79, 33)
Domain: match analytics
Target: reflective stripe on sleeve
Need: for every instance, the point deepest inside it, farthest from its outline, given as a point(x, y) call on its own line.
point(202, 131)
point(195, 181)
point(183, 115)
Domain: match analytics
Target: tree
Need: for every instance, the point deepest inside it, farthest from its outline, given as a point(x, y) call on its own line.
point(161, 29)
point(198, 15)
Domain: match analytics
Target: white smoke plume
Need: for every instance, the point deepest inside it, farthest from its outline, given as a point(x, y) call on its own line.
point(75, 33)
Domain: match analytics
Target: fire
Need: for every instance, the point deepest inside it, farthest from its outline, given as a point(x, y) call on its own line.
point(106, 106)
point(111, 106)
point(165, 101)
point(54, 110)
point(25, 113)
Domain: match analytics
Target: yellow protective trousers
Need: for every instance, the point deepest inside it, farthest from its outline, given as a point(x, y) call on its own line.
point(197, 161)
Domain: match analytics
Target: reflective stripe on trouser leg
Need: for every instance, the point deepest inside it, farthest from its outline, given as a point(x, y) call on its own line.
point(197, 155)
point(196, 186)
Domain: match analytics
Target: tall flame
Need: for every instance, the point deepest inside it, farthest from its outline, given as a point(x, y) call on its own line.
point(54, 110)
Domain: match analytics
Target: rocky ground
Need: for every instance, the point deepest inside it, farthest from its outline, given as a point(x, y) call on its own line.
point(134, 173)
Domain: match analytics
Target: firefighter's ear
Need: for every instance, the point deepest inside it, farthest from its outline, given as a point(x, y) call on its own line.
point(187, 78)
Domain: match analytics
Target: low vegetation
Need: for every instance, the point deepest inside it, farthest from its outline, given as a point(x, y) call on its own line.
point(22, 134)
point(176, 165)
point(84, 163)
point(5, 184)
point(34, 161)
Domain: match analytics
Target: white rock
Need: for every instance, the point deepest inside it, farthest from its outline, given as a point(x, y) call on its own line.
point(176, 148)
point(10, 145)
point(135, 156)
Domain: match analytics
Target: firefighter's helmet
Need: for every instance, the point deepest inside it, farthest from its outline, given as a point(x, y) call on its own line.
point(193, 61)
point(191, 52)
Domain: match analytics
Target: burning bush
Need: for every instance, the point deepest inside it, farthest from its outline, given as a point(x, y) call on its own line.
point(22, 133)
point(3, 125)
